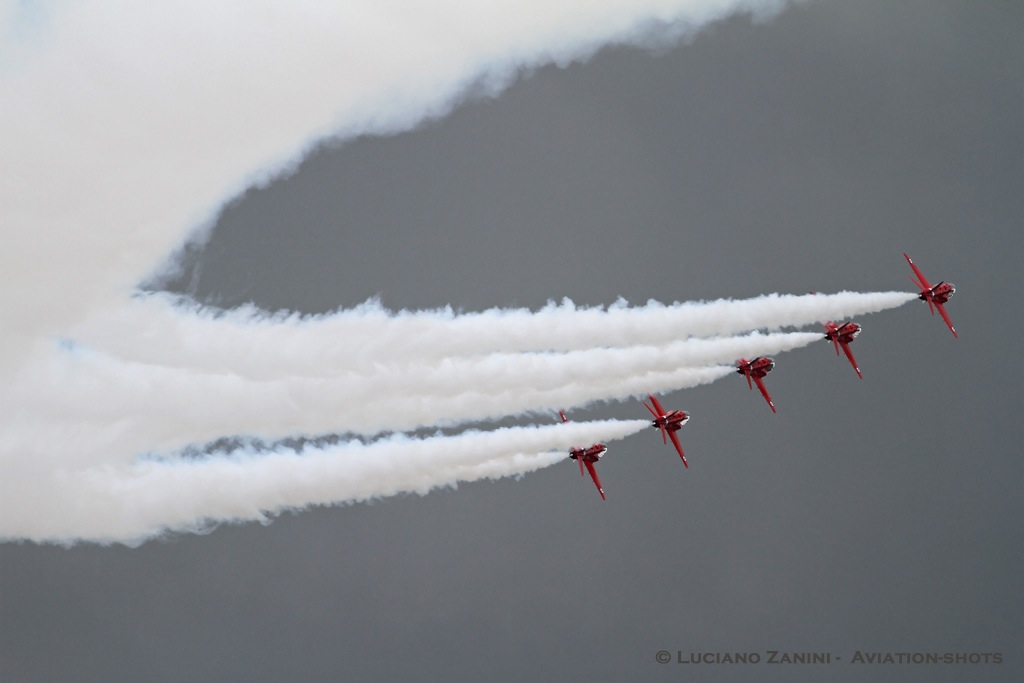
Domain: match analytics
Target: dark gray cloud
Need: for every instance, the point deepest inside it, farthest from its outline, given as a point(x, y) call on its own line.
point(879, 515)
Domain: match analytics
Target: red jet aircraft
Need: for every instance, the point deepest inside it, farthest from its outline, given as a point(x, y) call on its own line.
point(842, 335)
point(668, 423)
point(587, 456)
point(935, 295)
point(756, 369)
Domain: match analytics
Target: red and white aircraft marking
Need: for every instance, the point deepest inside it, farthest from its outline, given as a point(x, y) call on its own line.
point(587, 456)
point(935, 295)
point(755, 370)
point(668, 423)
point(841, 335)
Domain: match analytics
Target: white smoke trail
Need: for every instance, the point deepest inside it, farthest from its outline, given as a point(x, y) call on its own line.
point(249, 342)
point(130, 123)
point(131, 502)
point(92, 415)
point(166, 408)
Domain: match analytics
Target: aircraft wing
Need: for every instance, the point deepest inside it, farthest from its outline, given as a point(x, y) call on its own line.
point(679, 447)
point(849, 354)
point(654, 400)
point(922, 280)
point(657, 417)
point(593, 475)
point(945, 316)
point(764, 392)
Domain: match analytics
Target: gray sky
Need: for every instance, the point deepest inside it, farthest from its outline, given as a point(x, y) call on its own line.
point(880, 514)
